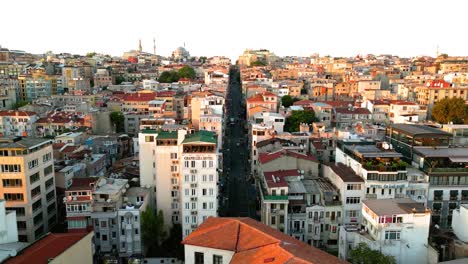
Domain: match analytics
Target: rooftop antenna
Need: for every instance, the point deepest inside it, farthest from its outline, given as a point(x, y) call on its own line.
point(437, 51)
point(140, 48)
point(154, 46)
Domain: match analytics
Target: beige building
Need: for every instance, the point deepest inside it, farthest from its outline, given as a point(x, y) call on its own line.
point(27, 174)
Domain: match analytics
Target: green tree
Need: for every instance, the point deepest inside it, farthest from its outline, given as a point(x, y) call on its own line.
point(297, 117)
point(362, 254)
point(169, 77)
point(90, 54)
point(173, 247)
point(450, 110)
point(152, 232)
point(258, 63)
point(19, 104)
point(187, 72)
point(287, 101)
point(117, 119)
point(119, 79)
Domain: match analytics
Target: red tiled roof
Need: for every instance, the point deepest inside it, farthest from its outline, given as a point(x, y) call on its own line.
point(16, 113)
point(267, 157)
point(279, 175)
point(356, 111)
point(318, 145)
point(138, 97)
point(58, 145)
point(254, 242)
point(46, 248)
point(345, 173)
point(81, 183)
point(69, 149)
point(303, 102)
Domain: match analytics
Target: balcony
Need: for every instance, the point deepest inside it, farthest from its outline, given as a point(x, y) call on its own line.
point(276, 197)
point(443, 170)
point(381, 167)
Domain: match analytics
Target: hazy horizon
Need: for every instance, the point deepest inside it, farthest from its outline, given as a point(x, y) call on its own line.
point(210, 28)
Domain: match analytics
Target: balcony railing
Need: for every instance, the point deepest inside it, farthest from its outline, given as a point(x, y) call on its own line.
point(447, 169)
point(384, 167)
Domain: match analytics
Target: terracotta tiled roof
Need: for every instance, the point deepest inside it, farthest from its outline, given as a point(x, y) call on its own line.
point(81, 183)
point(16, 113)
point(303, 102)
point(279, 175)
point(69, 149)
point(355, 111)
point(267, 157)
point(47, 248)
point(138, 97)
point(345, 173)
point(254, 242)
point(58, 145)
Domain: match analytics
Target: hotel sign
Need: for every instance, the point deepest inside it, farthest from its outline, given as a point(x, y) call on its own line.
point(387, 186)
point(198, 158)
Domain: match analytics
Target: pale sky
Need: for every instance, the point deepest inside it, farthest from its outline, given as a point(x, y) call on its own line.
point(208, 28)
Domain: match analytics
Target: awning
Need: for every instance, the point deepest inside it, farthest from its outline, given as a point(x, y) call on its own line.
point(458, 159)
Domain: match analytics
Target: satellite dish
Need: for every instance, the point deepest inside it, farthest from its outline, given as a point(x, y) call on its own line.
point(385, 145)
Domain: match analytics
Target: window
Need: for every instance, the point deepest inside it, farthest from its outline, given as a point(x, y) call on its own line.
point(149, 138)
point(173, 155)
point(205, 206)
point(136, 231)
point(174, 193)
point(36, 191)
point(353, 187)
point(104, 224)
point(203, 192)
point(211, 205)
point(174, 180)
point(211, 192)
point(48, 170)
point(187, 206)
point(12, 183)
point(199, 258)
point(186, 164)
point(186, 178)
point(104, 237)
point(46, 157)
point(33, 163)
point(353, 200)
point(13, 196)
point(173, 168)
point(210, 164)
point(217, 259)
point(192, 164)
point(211, 177)
point(194, 219)
point(11, 168)
point(352, 213)
point(204, 164)
point(49, 183)
point(273, 220)
point(392, 235)
point(34, 178)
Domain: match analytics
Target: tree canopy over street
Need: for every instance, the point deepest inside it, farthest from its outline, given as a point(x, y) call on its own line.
point(174, 76)
point(117, 119)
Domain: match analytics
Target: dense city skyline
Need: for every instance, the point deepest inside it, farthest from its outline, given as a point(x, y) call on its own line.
point(325, 28)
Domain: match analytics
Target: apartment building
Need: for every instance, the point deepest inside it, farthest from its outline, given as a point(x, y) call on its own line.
point(17, 123)
point(9, 88)
point(38, 84)
point(205, 103)
point(446, 168)
point(436, 90)
point(199, 187)
point(182, 166)
point(78, 204)
point(28, 187)
point(347, 117)
point(395, 227)
point(383, 170)
point(274, 120)
point(244, 240)
point(265, 100)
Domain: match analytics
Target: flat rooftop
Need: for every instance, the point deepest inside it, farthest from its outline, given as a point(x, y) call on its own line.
point(22, 143)
point(372, 151)
point(394, 206)
point(459, 152)
point(345, 173)
point(109, 186)
point(419, 130)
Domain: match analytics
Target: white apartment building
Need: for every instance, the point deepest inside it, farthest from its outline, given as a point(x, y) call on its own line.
point(382, 169)
point(199, 186)
point(28, 187)
point(183, 170)
point(459, 220)
point(352, 191)
point(151, 85)
point(200, 104)
point(8, 227)
point(17, 123)
point(406, 112)
point(269, 119)
point(395, 227)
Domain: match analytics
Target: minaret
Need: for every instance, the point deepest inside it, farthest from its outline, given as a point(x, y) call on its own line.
point(140, 48)
point(154, 46)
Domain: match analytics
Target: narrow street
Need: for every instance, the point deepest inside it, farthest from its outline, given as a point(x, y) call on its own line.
point(238, 195)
